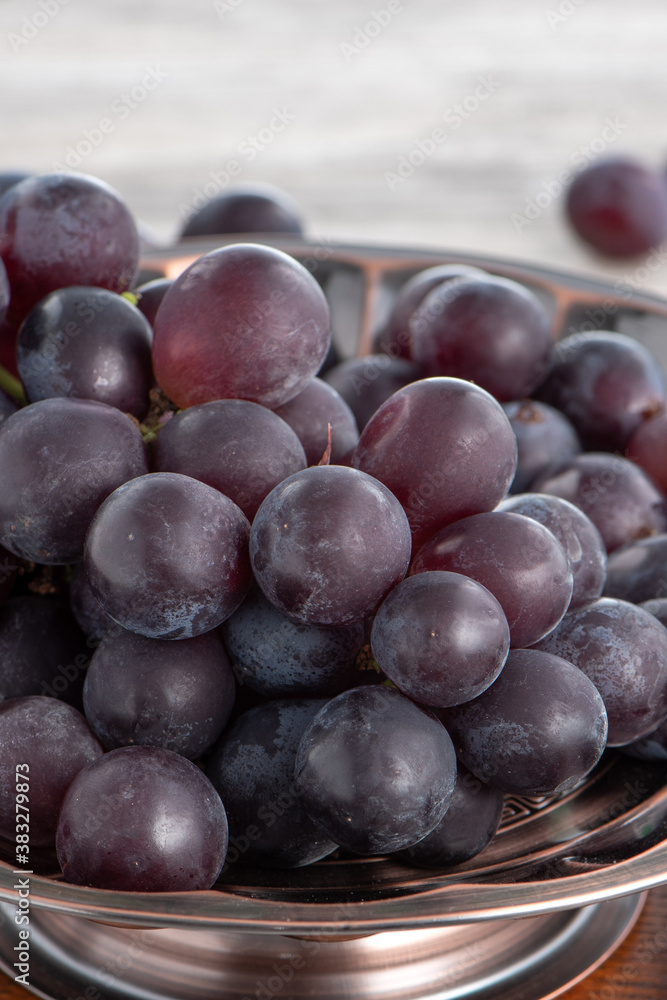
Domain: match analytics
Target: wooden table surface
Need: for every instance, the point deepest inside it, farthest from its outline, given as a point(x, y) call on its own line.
point(330, 102)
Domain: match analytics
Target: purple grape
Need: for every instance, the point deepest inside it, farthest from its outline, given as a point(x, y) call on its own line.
point(328, 544)
point(469, 824)
point(279, 657)
point(239, 448)
point(618, 206)
point(242, 322)
point(623, 650)
point(176, 695)
point(90, 343)
point(615, 494)
point(445, 449)
point(59, 459)
point(252, 768)
point(490, 330)
point(366, 383)
point(606, 384)
point(648, 448)
point(394, 338)
point(544, 437)
point(581, 540)
point(538, 730)
point(44, 743)
point(166, 556)
point(517, 559)
point(142, 819)
point(87, 610)
point(150, 295)
point(638, 572)
point(42, 650)
point(376, 772)
point(65, 229)
point(248, 208)
point(441, 638)
point(656, 607)
point(310, 414)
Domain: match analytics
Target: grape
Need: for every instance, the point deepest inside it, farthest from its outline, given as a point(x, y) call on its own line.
point(469, 824)
point(648, 448)
point(278, 657)
point(653, 746)
point(538, 730)
point(581, 540)
point(142, 819)
point(8, 178)
point(544, 437)
point(59, 459)
point(249, 208)
point(252, 768)
point(42, 650)
point(638, 572)
point(89, 613)
point(150, 295)
point(310, 414)
point(328, 544)
point(441, 638)
point(445, 449)
point(239, 448)
point(490, 330)
point(623, 650)
point(245, 321)
point(9, 329)
point(365, 383)
point(606, 384)
point(55, 742)
point(656, 607)
point(89, 343)
point(517, 559)
point(4, 292)
point(65, 229)
point(376, 772)
point(618, 206)
point(394, 337)
point(615, 494)
point(176, 695)
point(166, 556)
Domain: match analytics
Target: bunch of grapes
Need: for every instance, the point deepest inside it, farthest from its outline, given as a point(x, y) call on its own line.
point(333, 607)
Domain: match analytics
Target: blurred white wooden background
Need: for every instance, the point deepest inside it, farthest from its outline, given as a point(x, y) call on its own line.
point(482, 105)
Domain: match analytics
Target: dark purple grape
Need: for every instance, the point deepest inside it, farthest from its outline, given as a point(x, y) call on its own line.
point(366, 383)
point(59, 459)
point(142, 819)
point(638, 572)
point(442, 638)
point(89, 613)
point(328, 544)
point(8, 178)
point(239, 448)
point(653, 746)
point(44, 743)
point(167, 556)
point(469, 824)
point(4, 292)
point(538, 730)
point(65, 229)
point(242, 322)
point(445, 449)
point(517, 559)
point(581, 540)
point(606, 384)
point(648, 448)
point(490, 330)
point(90, 343)
point(544, 437)
point(623, 650)
point(376, 772)
point(279, 657)
point(42, 650)
point(252, 767)
point(248, 208)
point(394, 337)
point(312, 412)
point(657, 607)
point(615, 494)
point(618, 206)
point(176, 695)
point(150, 295)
